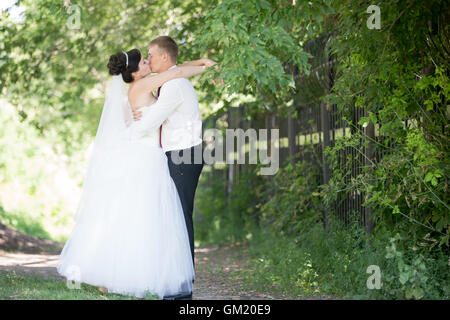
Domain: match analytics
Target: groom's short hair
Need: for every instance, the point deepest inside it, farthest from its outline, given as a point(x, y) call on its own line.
point(167, 44)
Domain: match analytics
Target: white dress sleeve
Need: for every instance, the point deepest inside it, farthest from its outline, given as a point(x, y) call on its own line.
point(154, 115)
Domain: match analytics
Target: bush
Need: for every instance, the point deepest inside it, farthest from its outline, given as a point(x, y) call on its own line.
point(336, 263)
point(292, 197)
point(221, 219)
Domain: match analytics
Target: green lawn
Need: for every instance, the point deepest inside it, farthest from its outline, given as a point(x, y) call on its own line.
point(15, 286)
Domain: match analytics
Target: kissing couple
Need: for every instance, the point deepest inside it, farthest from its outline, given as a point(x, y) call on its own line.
point(134, 232)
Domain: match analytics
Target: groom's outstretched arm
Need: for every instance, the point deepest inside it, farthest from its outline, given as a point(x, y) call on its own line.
point(154, 115)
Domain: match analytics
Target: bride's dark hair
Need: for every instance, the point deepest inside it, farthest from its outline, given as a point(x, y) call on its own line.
point(118, 64)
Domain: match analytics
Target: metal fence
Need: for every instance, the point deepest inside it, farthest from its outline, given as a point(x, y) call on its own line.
point(317, 125)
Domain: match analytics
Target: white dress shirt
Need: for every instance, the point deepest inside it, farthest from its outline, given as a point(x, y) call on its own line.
point(178, 111)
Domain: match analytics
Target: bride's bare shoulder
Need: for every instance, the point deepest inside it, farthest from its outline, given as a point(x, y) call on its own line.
point(138, 97)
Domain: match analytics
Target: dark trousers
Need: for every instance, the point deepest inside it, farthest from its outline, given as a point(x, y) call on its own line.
point(186, 176)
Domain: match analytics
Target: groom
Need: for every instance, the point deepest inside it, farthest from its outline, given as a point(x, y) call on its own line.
point(177, 115)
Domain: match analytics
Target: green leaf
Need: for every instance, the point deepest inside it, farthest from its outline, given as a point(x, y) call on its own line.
point(434, 181)
point(428, 176)
point(404, 278)
point(395, 210)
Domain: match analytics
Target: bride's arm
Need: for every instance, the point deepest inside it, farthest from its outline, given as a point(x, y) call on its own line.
point(151, 83)
point(200, 62)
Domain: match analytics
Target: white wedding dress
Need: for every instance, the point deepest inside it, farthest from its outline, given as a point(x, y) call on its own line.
point(130, 235)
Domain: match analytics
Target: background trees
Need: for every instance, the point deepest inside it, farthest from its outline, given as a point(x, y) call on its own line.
point(52, 80)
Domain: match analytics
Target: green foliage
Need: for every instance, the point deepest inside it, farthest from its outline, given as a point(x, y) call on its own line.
point(39, 183)
point(246, 193)
point(292, 196)
point(293, 254)
point(56, 75)
point(220, 219)
point(397, 73)
point(209, 208)
point(55, 78)
point(414, 279)
point(335, 263)
point(257, 43)
point(24, 223)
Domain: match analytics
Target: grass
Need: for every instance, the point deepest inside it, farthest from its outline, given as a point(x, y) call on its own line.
point(24, 224)
point(15, 286)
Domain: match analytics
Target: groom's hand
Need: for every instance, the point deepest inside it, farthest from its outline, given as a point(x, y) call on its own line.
point(136, 114)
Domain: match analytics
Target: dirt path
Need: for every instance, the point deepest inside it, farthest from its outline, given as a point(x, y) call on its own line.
point(213, 266)
point(210, 282)
point(213, 269)
point(217, 269)
point(30, 255)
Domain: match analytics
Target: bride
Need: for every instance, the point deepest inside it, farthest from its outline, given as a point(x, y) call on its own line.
point(130, 236)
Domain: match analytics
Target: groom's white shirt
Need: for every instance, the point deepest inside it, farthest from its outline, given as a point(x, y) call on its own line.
point(178, 111)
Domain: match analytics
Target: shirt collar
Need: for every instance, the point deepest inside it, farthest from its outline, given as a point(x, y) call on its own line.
point(172, 67)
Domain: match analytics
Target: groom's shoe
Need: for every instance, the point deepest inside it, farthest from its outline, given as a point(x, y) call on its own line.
point(180, 296)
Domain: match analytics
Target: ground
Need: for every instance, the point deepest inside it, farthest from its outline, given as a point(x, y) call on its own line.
point(218, 269)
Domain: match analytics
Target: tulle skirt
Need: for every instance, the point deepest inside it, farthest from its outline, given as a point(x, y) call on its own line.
point(130, 235)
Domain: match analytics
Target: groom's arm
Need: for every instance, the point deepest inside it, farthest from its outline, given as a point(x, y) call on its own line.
point(154, 115)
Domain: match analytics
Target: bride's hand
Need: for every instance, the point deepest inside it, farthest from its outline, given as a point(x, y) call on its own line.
point(209, 63)
point(215, 83)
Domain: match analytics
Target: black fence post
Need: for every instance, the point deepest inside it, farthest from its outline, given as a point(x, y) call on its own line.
point(370, 156)
point(291, 138)
point(325, 120)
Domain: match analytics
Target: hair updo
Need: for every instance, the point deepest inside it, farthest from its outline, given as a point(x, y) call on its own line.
point(118, 64)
